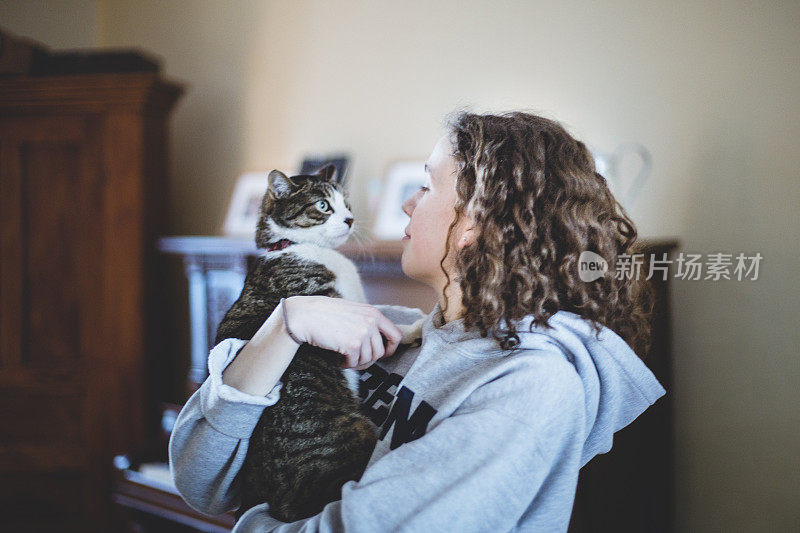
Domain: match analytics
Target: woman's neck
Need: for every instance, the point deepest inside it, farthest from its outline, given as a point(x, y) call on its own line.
point(454, 310)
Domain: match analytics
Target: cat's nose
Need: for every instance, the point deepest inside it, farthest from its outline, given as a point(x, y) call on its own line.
point(349, 221)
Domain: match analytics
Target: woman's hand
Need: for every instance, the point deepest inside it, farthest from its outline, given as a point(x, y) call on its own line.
point(353, 329)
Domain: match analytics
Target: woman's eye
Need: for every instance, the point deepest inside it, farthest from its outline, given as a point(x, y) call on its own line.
point(423, 188)
point(323, 205)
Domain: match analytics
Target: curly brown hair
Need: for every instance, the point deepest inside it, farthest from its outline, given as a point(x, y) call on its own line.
point(537, 202)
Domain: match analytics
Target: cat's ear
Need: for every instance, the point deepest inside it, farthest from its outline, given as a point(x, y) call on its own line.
point(280, 184)
point(328, 172)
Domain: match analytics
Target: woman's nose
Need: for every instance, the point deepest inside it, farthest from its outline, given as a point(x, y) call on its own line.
point(408, 205)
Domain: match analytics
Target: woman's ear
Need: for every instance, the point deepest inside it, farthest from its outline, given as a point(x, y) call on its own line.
point(467, 237)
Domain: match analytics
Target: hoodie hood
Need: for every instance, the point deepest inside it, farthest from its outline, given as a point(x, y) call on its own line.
point(618, 386)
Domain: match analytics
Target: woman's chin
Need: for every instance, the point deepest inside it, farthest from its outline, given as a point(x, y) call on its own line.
point(406, 266)
point(403, 262)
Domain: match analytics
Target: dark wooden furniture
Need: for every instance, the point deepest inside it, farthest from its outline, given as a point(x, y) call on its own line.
point(146, 497)
point(631, 488)
point(82, 197)
point(628, 489)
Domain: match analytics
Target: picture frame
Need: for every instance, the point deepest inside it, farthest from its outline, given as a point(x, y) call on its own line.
point(245, 205)
point(403, 179)
point(311, 164)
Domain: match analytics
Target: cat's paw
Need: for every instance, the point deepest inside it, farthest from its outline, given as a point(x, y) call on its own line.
point(412, 333)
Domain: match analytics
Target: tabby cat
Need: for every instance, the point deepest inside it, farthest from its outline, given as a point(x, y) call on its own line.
point(315, 438)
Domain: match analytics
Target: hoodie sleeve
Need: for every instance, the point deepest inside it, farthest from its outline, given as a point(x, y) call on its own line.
point(481, 469)
point(210, 437)
point(400, 314)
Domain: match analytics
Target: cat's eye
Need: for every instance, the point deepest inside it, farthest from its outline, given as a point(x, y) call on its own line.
point(323, 205)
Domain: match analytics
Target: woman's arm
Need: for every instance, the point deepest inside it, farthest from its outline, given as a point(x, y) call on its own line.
point(209, 440)
point(253, 373)
point(210, 437)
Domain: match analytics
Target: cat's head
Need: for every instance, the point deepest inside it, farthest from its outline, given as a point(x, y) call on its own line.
point(307, 208)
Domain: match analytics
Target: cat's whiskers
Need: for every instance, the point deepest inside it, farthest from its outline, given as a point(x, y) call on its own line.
point(362, 240)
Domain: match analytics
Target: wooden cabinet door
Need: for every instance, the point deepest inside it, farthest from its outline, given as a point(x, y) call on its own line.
point(53, 383)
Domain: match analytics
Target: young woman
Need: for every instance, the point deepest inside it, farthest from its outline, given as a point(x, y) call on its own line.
point(524, 371)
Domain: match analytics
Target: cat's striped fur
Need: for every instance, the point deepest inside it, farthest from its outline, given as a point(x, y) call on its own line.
point(314, 439)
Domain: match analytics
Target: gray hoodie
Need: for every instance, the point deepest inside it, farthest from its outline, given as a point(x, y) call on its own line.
point(471, 438)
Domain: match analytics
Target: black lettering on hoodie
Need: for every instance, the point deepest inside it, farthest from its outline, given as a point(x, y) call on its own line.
point(406, 428)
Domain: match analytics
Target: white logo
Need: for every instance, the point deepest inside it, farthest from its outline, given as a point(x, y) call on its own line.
point(591, 266)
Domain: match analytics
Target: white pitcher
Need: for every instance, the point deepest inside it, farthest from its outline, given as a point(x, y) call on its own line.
point(626, 190)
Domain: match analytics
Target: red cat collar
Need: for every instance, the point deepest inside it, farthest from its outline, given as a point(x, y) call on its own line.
point(280, 245)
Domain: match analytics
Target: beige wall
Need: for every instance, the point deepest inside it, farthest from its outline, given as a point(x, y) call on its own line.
point(710, 87)
point(56, 23)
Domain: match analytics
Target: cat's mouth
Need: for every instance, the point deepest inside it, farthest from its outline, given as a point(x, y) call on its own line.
point(344, 235)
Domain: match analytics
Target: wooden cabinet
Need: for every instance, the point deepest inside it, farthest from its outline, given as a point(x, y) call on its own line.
point(82, 197)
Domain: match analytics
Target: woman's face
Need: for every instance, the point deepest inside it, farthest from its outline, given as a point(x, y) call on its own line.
point(432, 211)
